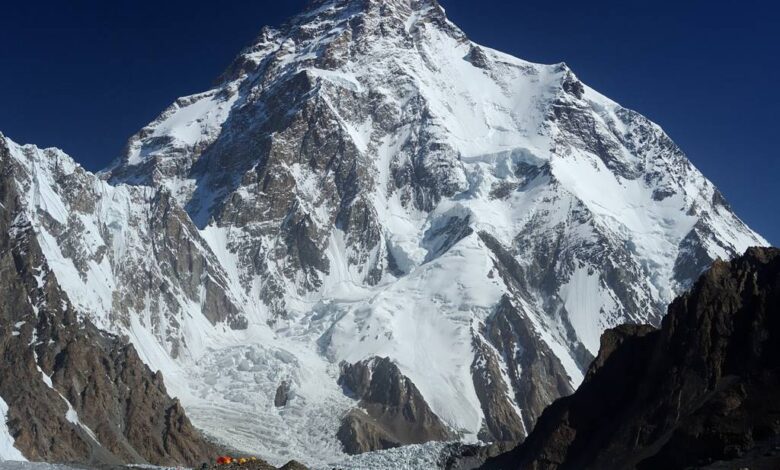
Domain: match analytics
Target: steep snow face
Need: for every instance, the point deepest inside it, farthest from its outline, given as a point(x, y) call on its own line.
point(366, 181)
point(424, 321)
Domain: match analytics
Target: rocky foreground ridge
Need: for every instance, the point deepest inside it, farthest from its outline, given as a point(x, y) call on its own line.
point(703, 391)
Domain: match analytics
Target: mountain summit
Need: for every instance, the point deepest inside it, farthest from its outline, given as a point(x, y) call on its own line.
point(375, 232)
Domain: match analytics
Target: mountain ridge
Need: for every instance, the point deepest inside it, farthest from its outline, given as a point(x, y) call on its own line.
point(70, 392)
point(700, 392)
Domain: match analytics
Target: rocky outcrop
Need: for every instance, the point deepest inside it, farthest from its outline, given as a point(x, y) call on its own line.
point(282, 394)
point(513, 398)
point(75, 393)
point(181, 256)
point(701, 392)
point(515, 373)
point(502, 418)
point(392, 411)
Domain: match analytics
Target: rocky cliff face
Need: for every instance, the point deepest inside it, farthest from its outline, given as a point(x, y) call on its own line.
point(700, 392)
point(392, 411)
point(74, 393)
point(365, 181)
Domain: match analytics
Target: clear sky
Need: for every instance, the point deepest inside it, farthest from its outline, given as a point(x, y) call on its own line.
point(84, 75)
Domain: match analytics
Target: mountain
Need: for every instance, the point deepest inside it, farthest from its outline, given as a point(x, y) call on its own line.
point(700, 392)
point(374, 232)
point(68, 391)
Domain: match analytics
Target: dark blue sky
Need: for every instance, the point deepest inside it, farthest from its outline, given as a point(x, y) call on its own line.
point(84, 75)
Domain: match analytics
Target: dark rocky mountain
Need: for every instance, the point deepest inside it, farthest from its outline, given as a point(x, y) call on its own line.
point(703, 391)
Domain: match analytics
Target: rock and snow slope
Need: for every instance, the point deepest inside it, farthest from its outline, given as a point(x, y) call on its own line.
point(703, 391)
point(367, 182)
point(7, 449)
point(68, 391)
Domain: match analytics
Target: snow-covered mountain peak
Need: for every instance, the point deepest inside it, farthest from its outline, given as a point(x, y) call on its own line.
point(353, 48)
point(401, 9)
point(366, 182)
